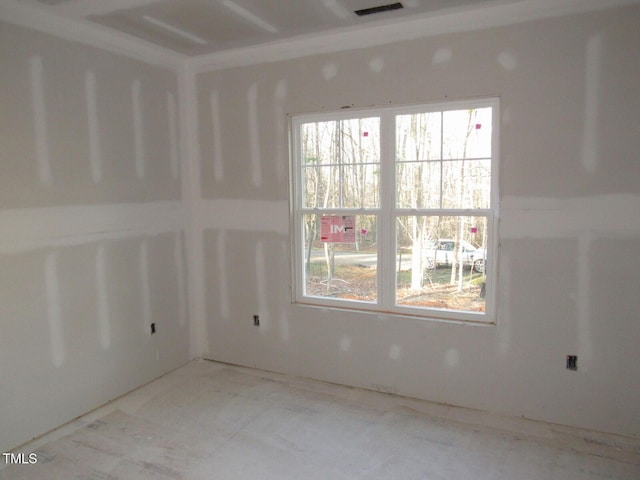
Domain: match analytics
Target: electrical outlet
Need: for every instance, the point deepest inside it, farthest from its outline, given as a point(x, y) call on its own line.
point(572, 362)
point(256, 320)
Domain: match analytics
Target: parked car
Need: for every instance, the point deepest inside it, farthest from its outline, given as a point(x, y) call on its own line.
point(444, 250)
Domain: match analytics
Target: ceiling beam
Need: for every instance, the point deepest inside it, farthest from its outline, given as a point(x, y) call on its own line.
point(471, 18)
point(31, 16)
point(81, 9)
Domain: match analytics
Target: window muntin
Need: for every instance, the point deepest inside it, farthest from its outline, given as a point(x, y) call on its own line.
point(418, 182)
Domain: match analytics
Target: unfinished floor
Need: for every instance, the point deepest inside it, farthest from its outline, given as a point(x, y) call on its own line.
point(208, 420)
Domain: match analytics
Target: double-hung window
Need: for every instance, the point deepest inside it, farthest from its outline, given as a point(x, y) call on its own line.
point(394, 209)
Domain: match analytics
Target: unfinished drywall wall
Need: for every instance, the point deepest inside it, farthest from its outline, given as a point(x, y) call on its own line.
point(91, 230)
point(570, 96)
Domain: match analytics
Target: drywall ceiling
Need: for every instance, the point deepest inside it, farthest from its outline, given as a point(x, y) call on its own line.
point(199, 27)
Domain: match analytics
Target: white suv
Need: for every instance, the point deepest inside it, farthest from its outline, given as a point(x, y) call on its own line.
point(442, 253)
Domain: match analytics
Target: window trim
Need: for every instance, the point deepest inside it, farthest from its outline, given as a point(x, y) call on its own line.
point(387, 211)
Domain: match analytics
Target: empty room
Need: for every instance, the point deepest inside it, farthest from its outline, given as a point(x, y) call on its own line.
point(319, 239)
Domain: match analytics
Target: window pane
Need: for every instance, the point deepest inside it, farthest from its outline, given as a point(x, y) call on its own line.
point(321, 186)
point(466, 184)
point(418, 184)
point(346, 186)
point(318, 186)
point(430, 250)
point(418, 136)
point(341, 270)
point(318, 143)
point(360, 186)
point(360, 140)
point(466, 133)
point(340, 163)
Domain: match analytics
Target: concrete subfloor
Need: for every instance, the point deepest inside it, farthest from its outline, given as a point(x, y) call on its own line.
point(209, 420)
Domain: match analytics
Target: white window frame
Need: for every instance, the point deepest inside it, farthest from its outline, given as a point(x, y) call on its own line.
point(387, 212)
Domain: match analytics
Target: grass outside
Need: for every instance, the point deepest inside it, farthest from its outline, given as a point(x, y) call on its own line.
point(357, 282)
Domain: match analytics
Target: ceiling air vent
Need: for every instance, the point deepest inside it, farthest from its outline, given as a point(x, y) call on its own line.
point(379, 9)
